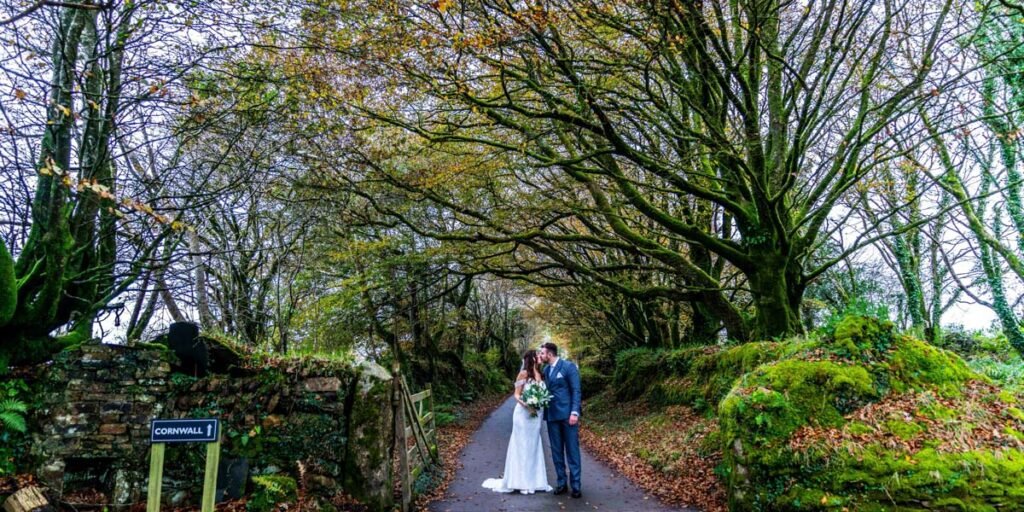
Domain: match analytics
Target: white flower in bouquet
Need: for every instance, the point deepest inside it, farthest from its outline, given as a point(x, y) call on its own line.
point(537, 397)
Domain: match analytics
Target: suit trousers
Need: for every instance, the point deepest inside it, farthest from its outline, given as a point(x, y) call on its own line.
point(565, 447)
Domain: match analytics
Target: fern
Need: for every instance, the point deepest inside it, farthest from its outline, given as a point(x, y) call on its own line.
point(12, 414)
point(1008, 374)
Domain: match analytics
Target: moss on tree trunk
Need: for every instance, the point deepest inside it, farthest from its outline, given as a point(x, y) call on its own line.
point(777, 296)
point(8, 286)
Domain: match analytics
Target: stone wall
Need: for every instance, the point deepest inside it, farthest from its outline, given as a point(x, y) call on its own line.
point(335, 420)
point(94, 423)
point(330, 422)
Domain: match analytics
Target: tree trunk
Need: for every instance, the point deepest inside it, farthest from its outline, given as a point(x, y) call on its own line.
point(422, 339)
point(909, 268)
point(8, 286)
point(162, 288)
point(135, 322)
point(41, 268)
point(65, 272)
point(704, 325)
point(777, 296)
point(713, 310)
point(1001, 306)
point(202, 294)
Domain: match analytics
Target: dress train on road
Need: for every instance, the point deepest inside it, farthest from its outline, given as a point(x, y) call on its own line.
point(525, 468)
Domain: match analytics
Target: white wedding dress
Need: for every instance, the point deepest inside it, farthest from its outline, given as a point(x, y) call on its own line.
point(525, 468)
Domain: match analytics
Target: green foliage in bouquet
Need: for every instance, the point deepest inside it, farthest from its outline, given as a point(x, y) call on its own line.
point(537, 397)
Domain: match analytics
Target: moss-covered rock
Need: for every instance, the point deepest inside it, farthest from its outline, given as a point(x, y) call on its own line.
point(370, 423)
point(861, 338)
point(917, 365)
point(963, 343)
point(701, 376)
point(635, 370)
point(879, 478)
point(592, 381)
point(869, 420)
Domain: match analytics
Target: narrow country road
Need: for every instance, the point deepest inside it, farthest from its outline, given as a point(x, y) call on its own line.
point(484, 457)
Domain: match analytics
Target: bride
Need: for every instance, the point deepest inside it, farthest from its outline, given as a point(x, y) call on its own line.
point(525, 469)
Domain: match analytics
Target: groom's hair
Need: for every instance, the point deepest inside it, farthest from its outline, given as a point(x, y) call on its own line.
point(550, 347)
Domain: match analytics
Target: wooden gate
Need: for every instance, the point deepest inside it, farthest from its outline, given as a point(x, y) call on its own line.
point(415, 435)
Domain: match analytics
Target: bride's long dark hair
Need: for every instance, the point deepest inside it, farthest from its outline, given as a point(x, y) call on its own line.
point(531, 365)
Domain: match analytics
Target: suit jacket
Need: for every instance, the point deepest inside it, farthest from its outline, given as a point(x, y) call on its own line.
point(563, 382)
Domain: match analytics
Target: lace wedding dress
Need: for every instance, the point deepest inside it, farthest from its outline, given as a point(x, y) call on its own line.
point(525, 468)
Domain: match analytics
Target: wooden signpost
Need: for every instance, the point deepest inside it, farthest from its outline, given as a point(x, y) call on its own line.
point(164, 432)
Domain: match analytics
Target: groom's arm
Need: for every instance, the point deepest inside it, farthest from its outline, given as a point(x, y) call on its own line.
point(576, 399)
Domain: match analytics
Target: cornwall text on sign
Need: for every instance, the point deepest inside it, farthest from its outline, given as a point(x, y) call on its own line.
point(184, 431)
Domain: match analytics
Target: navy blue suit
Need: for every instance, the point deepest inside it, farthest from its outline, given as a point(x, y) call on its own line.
point(563, 381)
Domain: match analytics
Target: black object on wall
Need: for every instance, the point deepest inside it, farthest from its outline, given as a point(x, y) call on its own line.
point(183, 339)
point(232, 474)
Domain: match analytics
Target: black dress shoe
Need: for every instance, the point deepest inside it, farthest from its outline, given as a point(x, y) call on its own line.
point(576, 494)
point(560, 489)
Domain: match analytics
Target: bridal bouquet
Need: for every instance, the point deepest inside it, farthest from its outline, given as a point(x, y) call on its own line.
point(537, 397)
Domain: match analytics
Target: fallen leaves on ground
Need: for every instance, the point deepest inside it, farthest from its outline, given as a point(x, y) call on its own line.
point(671, 438)
point(10, 484)
point(226, 506)
point(452, 438)
point(343, 501)
point(84, 497)
point(974, 420)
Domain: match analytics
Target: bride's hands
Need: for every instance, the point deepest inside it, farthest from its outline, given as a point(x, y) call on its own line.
point(531, 409)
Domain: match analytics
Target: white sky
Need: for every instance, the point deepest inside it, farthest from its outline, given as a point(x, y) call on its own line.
point(970, 316)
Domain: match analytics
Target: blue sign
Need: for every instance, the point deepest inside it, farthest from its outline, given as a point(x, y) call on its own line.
point(205, 430)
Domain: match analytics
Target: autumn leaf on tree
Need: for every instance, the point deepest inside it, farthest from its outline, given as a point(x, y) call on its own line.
point(442, 5)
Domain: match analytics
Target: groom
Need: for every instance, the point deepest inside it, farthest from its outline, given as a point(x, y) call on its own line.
point(563, 416)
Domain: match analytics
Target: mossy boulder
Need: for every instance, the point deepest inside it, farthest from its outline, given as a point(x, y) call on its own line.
point(861, 337)
point(370, 427)
point(592, 381)
point(635, 370)
point(866, 419)
point(700, 376)
point(963, 343)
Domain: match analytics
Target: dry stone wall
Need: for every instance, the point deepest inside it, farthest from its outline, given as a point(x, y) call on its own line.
point(328, 422)
point(94, 423)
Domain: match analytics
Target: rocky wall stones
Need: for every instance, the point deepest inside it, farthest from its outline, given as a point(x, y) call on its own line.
point(99, 402)
point(371, 432)
point(331, 419)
